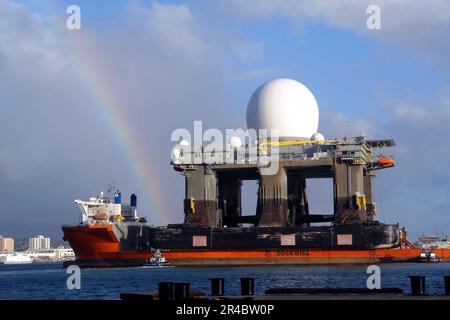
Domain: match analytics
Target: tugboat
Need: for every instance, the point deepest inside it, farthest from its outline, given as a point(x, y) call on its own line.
point(428, 257)
point(157, 260)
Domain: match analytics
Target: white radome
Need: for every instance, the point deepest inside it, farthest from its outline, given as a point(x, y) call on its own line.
point(284, 105)
point(176, 153)
point(235, 142)
point(177, 150)
point(184, 142)
point(317, 137)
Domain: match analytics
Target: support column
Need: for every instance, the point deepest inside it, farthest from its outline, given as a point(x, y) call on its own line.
point(230, 199)
point(298, 199)
point(304, 204)
point(370, 204)
point(272, 199)
point(200, 203)
point(349, 199)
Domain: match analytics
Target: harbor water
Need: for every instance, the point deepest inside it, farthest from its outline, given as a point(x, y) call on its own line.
point(49, 281)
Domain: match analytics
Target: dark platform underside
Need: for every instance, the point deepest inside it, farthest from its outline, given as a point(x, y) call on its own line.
point(354, 236)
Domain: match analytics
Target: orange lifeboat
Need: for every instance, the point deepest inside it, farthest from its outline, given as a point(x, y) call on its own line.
point(384, 161)
point(101, 216)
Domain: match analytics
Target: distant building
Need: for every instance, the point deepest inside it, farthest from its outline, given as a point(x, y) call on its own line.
point(6, 245)
point(428, 239)
point(38, 243)
point(58, 254)
point(433, 242)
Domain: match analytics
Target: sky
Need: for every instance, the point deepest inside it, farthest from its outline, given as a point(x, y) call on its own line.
point(80, 109)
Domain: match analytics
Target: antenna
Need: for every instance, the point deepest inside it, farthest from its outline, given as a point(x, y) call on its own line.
point(112, 187)
point(347, 128)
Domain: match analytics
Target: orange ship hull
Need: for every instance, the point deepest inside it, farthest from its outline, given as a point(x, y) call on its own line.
point(97, 246)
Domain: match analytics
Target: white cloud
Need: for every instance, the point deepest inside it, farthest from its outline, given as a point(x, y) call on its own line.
point(247, 50)
point(54, 136)
point(25, 35)
point(174, 25)
point(420, 26)
point(254, 73)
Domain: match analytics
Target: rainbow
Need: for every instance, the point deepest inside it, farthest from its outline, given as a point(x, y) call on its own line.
point(109, 107)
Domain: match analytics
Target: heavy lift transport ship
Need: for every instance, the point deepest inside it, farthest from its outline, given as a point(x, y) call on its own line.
point(281, 231)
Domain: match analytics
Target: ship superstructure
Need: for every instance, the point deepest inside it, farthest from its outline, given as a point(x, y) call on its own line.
point(103, 209)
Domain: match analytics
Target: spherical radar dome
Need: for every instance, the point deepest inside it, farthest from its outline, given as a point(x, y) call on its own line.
point(184, 143)
point(235, 142)
point(285, 105)
point(317, 137)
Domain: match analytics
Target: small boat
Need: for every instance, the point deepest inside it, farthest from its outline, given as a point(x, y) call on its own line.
point(158, 260)
point(429, 257)
point(385, 161)
point(15, 258)
point(101, 217)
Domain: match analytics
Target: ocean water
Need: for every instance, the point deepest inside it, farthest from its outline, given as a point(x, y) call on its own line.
point(48, 281)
